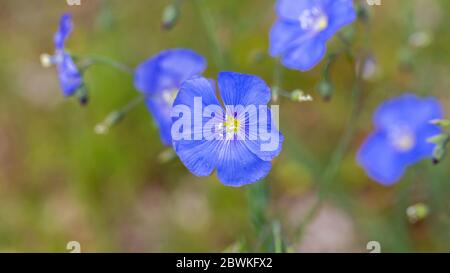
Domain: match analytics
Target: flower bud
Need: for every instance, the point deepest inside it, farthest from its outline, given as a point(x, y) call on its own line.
point(417, 212)
point(46, 60)
point(111, 120)
point(170, 16)
point(325, 89)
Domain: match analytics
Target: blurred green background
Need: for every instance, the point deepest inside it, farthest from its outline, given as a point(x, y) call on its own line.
point(61, 182)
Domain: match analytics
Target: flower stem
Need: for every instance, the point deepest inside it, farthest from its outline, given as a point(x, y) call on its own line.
point(115, 117)
point(277, 79)
point(278, 241)
point(89, 61)
point(211, 32)
point(332, 168)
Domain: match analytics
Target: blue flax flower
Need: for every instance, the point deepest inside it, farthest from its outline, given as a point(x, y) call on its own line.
point(237, 142)
point(159, 79)
point(400, 138)
point(69, 76)
point(300, 34)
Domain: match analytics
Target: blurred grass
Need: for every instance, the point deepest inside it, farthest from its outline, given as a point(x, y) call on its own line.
point(61, 182)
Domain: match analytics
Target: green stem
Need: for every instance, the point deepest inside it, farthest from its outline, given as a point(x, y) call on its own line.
point(116, 116)
point(277, 79)
point(332, 168)
point(278, 241)
point(211, 32)
point(89, 61)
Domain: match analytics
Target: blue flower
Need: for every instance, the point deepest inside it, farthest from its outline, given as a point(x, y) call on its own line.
point(400, 138)
point(69, 76)
point(160, 78)
point(226, 139)
point(303, 28)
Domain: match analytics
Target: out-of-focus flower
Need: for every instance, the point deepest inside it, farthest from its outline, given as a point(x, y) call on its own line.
point(234, 139)
point(303, 28)
point(68, 73)
point(159, 79)
point(400, 138)
point(367, 67)
point(420, 39)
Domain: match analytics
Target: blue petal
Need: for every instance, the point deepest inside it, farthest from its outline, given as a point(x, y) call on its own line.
point(241, 89)
point(168, 70)
point(407, 110)
point(292, 9)
point(424, 149)
point(69, 76)
point(380, 161)
point(306, 55)
point(283, 35)
point(65, 28)
point(254, 141)
point(340, 13)
point(199, 156)
point(197, 87)
point(238, 166)
point(160, 110)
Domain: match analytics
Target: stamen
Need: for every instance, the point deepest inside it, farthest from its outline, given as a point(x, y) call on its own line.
point(402, 138)
point(169, 95)
point(313, 19)
point(46, 60)
point(232, 124)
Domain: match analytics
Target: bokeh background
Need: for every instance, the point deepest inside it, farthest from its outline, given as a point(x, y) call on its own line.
point(61, 182)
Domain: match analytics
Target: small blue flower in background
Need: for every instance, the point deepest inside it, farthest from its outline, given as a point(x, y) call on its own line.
point(400, 138)
point(238, 159)
point(69, 76)
point(303, 28)
point(160, 78)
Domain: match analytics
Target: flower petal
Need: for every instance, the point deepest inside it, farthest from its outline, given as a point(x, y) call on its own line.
point(340, 13)
point(241, 89)
point(160, 110)
point(283, 35)
point(168, 70)
point(65, 28)
point(292, 9)
point(266, 145)
point(306, 55)
point(238, 166)
point(408, 110)
point(424, 149)
point(199, 156)
point(69, 76)
point(380, 161)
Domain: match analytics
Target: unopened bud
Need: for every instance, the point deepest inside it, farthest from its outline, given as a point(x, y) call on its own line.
point(325, 89)
point(166, 155)
point(111, 120)
point(439, 139)
point(420, 39)
point(46, 60)
point(170, 16)
point(275, 93)
point(417, 212)
point(299, 96)
point(441, 122)
point(439, 153)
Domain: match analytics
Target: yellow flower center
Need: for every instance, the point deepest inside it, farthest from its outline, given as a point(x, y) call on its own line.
point(232, 125)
